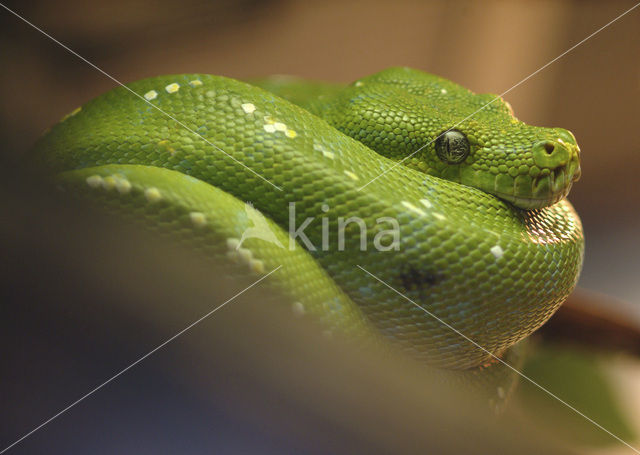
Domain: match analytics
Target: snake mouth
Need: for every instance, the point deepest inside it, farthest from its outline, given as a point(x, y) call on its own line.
point(548, 188)
point(556, 167)
point(545, 191)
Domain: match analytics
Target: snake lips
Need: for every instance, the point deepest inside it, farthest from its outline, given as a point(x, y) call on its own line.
point(556, 165)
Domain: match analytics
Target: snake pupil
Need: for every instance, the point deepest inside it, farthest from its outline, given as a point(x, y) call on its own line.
point(452, 147)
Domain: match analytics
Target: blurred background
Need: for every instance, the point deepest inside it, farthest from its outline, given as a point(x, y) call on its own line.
point(488, 46)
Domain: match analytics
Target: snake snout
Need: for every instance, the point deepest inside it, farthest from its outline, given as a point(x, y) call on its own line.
point(550, 154)
point(559, 160)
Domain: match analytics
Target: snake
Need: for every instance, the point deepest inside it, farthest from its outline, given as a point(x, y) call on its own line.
point(402, 204)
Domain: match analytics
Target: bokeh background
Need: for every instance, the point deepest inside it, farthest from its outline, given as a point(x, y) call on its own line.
point(487, 46)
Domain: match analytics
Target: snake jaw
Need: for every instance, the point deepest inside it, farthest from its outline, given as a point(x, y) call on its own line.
point(552, 197)
point(532, 203)
point(558, 166)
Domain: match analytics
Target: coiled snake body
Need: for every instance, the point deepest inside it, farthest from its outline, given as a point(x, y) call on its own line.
point(485, 240)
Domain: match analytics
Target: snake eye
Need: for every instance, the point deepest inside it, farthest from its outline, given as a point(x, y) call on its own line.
point(452, 147)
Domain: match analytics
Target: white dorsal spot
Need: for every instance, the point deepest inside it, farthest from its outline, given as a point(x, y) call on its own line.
point(413, 208)
point(172, 88)
point(248, 108)
point(151, 95)
point(152, 194)
point(198, 219)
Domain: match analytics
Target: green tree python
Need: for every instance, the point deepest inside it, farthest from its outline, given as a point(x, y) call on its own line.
point(484, 238)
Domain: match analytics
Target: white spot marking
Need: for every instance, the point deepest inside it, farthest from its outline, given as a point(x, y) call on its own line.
point(290, 133)
point(195, 83)
point(245, 254)
point(359, 84)
point(497, 251)
point(152, 194)
point(172, 88)
point(443, 91)
point(256, 266)
point(123, 185)
point(108, 183)
point(325, 152)
point(151, 95)
point(198, 219)
point(426, 203)
point(269, 128)
point(94, 181)
point(351, 175)
point(248, 108)
point(280, 126)
point(413, 208)
point(440, 216)
point(233, 243)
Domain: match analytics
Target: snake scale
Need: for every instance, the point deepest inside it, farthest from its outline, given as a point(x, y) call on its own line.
point(484, 238)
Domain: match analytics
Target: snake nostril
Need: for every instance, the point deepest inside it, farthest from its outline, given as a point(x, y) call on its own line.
point(549, 147)
point(550, 155)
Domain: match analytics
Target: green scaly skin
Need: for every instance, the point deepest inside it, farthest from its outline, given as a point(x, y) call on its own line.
point(493, 271)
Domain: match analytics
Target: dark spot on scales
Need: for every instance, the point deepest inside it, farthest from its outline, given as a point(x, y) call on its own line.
point(414, 279)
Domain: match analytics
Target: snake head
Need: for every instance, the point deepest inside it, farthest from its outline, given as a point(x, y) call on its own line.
point(442, 129)
point(530, 167)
